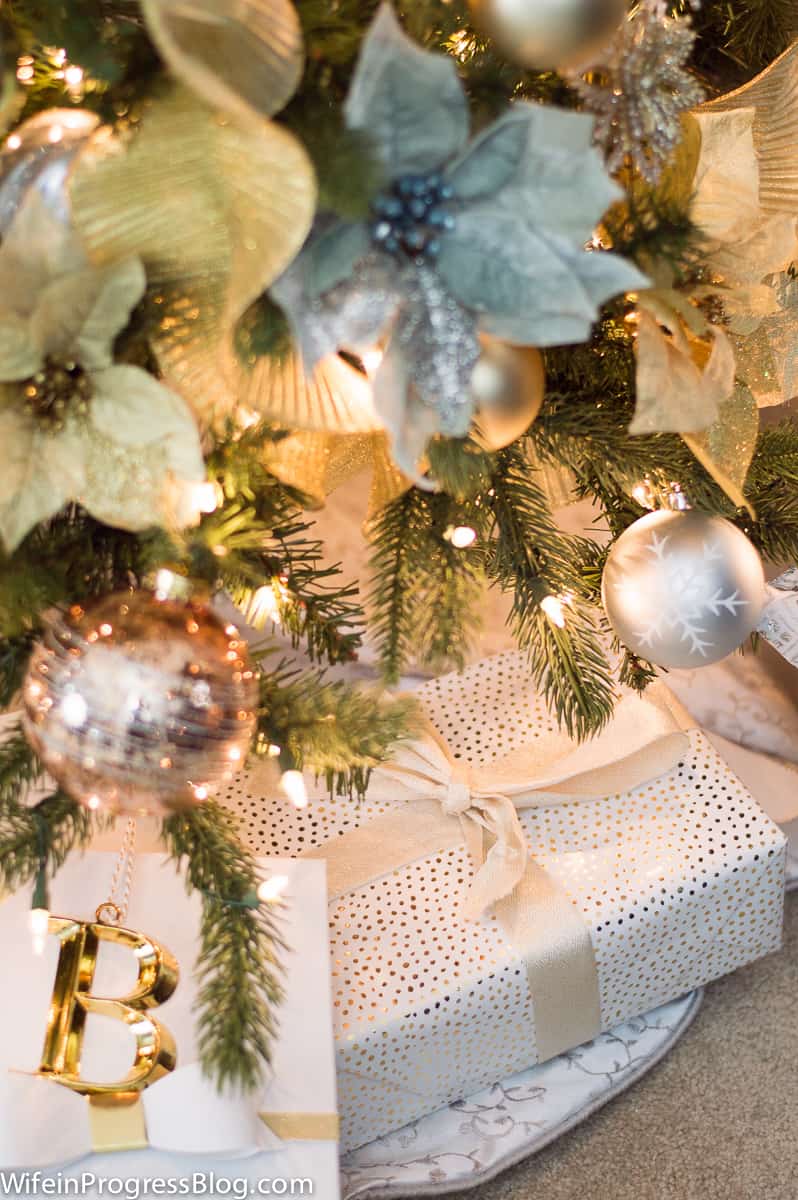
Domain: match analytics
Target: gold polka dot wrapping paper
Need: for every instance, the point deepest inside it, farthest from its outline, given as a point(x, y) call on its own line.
point(677, 881)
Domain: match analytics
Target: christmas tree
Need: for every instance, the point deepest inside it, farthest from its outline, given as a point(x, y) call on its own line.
point(497, 259)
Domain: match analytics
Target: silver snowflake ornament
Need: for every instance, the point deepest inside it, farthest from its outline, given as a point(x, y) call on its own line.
point(683, 589)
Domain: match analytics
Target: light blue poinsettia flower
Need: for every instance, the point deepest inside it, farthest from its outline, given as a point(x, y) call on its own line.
point(468, 236)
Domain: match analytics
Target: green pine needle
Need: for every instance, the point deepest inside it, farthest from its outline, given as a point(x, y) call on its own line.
point(238, 968)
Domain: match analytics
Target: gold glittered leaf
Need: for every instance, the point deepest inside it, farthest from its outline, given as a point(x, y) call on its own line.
point(216, 209)
point(318, 463)
point(243, 58)
point(726, 449)
point(336, 397)
point(387, 481)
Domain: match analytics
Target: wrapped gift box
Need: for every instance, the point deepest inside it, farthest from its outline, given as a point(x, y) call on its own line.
point(287, 1130)
point(667, 885)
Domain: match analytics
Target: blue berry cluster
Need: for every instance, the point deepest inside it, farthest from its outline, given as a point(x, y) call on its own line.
point(409, 219)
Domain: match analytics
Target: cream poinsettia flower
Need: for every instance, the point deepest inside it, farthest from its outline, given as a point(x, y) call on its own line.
point(75, 426)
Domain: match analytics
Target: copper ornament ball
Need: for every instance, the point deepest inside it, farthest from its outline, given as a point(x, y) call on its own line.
point(140, 705)
point(549, 35)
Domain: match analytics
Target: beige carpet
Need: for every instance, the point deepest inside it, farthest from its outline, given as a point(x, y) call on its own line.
point(717, 1120)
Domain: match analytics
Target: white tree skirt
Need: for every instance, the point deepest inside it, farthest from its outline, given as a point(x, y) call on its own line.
point(471, 1141)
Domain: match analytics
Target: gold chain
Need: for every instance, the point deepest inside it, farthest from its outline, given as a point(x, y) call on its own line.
point(114, 910)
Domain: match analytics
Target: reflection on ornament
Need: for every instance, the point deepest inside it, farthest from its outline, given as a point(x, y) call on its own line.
point(140, 704)
point(72, 1002)
point(40, 154)
point(683, 589)
point(549, 34)
point(507, 387)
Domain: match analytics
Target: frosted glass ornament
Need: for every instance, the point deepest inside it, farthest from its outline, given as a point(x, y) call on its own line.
point(683, 589)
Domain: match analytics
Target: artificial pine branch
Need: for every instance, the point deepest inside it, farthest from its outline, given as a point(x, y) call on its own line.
point(749, 33)
point(238, 964)
point(532, 559)
point(425, 591)
point(399, 540)
point(333, 729)
point(259, 535)
point(39, 839)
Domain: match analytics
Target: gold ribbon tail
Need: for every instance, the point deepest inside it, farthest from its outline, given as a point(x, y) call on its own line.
point(302, 1127)
point(116, 1125)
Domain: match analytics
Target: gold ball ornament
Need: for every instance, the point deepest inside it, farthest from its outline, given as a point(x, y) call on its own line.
point(549, 35)
point(140, 705)
point(507, 388)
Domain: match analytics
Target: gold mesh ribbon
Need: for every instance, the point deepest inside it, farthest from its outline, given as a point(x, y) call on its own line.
point(454, 804)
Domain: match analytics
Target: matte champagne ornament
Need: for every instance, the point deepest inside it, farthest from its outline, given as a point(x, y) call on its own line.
point(507, 388)
point(549, 34)
point(140, 704)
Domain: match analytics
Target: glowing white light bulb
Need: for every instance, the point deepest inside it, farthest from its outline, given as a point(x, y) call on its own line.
point(246, 417)
point(94, 802)
point(73, 76)
point(554, 610)
point(461, 536)
point(55, 133)
point(272, 889)
point(14, 142)
point(264, 605)
point(643, 493)
point(39, 925)
point(164, 582)
point(293, 786)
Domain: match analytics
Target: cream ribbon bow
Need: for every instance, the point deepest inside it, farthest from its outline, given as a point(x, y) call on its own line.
point(454, 802)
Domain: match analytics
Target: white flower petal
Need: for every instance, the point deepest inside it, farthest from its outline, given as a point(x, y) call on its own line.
point(39, 475)
point(143, 448)
point(36, 250)
point(134, 409)
point(80, 314)
point(19, 358)
point(119, 290)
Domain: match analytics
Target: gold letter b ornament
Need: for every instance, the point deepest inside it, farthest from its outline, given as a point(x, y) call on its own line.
point(116, 1115)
